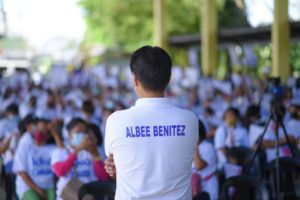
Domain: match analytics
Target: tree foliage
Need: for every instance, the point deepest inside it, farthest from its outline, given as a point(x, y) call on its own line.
point(129, 24)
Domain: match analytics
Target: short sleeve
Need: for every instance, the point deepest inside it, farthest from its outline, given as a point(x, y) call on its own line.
point(207, 153)
point(220, 138)
point(108, 136)
point(21, 158)
point(245, 138)
point(269, 135)
point(255, 132)
point(58, 155)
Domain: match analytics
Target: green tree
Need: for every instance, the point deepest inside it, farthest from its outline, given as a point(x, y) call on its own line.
point(231, 15)
point(129, 24)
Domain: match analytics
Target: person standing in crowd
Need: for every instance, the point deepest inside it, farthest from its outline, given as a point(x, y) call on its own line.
point(35, 179)
point(152, 143)
point(81, 160)
point(205, 165)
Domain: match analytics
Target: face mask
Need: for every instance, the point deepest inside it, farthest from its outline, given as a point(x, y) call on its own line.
point(40, 137)
point(13, 118)
point(77, 138)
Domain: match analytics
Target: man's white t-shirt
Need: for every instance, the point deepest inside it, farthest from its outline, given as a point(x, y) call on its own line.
point(153, 144)
point(83, 165)
point(35, 161)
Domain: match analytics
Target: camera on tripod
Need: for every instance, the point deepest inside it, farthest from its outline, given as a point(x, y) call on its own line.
point(276, 89)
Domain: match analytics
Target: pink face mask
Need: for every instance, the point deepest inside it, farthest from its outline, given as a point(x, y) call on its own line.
point(40, 137)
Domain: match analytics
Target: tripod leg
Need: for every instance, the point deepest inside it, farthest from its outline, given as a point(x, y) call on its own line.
point(258, 145)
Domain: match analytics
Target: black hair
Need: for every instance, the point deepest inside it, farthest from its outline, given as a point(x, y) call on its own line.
point(152, 66)
point(21, 127)
point(97, 132)
point(202, 131)
point(33, 101)
point(88, 106)
point(209, 111)
point(74, 122)
point(29, 119)
point(42, 120)
point(13, 108)
point(234, 111)
point(253, 111)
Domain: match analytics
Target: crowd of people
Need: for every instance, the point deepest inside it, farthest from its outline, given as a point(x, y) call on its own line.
point(56, 127)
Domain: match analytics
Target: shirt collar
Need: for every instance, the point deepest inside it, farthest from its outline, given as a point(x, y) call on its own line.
point(152, 101)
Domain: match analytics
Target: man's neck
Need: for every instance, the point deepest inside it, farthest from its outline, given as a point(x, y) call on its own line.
point(150, 94)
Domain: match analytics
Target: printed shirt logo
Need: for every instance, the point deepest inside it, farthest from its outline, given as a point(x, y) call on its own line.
point(155, 131)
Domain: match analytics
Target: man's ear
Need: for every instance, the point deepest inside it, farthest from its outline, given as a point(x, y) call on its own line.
point(135, 80)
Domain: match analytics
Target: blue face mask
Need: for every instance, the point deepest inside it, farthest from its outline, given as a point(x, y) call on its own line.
point(77, 138)
point(14, 118)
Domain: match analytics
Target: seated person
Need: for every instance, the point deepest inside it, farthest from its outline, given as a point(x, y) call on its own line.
point(293, 126)
point(81, 160)
point(230, 134)
point(35, 178)
point(205, 164)
point(269, 140)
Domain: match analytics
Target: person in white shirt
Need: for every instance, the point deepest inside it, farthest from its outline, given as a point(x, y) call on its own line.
point(25, 142)
point(81, 160)
point(9, 135)
point(28, 106)
point(293, 126)
point(205, 164)
point(230, 134)
point(35, 179)
point(50, 110)
point(152, 143)
point(269, 140)
point(88, 113)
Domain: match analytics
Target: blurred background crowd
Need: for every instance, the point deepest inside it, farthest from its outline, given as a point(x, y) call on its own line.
point(233, 112)
point(64, 70)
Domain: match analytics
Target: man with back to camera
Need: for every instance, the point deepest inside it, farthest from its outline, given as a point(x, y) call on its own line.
point(152, 143)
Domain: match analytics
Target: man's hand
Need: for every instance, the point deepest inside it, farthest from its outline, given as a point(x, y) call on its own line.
point(110, 167)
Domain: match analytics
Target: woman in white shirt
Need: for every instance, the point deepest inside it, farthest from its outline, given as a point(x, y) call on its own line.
point(35, 180)
point(205, 164)
point(81, 160)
